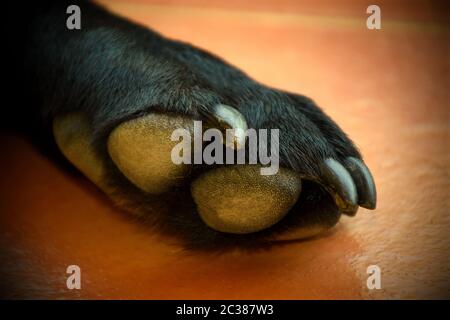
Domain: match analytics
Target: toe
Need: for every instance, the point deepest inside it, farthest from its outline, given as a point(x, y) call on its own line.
point(237, 199)
point(141, 149)
point(73, 135)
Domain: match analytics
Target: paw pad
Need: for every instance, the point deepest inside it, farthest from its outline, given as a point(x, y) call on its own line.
point(238, 199)
point(141, 149)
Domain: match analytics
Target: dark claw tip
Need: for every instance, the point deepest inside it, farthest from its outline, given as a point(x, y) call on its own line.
point(338, 181)
point(365, 185)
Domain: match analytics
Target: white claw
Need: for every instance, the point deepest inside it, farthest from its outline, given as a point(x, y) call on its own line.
point(232, 118)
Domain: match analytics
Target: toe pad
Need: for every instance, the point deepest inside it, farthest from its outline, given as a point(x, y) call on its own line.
point(237, 199)
point(141, 149)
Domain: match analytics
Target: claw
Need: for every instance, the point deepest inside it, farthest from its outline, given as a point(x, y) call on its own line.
point(338, 181)
point(226, 117)
point(367, 193)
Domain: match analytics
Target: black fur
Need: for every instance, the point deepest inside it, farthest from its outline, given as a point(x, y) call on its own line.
point(115, 70)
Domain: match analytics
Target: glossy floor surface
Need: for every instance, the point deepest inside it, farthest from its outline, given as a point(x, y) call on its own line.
point(388, 89)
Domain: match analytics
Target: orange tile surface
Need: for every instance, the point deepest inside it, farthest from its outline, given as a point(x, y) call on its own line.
point(388, 89)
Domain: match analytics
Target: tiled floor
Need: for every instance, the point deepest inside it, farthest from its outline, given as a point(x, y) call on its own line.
point(388, 89)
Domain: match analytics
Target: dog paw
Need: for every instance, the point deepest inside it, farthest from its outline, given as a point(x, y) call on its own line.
point(219, 204)
point(121, 136)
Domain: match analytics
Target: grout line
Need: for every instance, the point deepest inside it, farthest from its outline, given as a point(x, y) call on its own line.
point(268, 18)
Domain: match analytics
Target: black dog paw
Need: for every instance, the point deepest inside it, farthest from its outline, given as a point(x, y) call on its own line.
point(123, 90)
point(223, 205)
